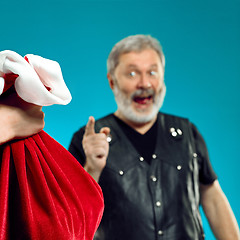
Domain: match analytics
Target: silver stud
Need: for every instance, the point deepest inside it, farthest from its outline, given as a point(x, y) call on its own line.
point(154, 179)
point(154, 156)
point(195, 155)
point(160, 232)
point(121, 172)
point(174, 134)
point(173, 131)
point(179, 131)
point(141, 159)
point(109, 138)
point(158, 204)
point(179, 167)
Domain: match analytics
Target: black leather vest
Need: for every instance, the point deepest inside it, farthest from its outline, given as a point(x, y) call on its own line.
point(151, 201)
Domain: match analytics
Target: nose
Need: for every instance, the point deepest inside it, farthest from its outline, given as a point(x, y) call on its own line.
point(144, 82)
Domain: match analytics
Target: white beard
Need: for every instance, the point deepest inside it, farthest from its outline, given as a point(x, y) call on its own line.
point(126, 109)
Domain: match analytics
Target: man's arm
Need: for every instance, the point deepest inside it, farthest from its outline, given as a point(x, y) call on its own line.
point(218, 212)
point(18, 118)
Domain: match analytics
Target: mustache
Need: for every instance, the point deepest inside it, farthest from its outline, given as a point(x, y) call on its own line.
point(143, 92)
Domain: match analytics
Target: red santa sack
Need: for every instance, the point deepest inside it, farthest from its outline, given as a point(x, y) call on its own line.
point(44, 192)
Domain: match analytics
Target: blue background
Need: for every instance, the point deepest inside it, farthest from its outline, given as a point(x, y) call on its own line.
point(201, 41)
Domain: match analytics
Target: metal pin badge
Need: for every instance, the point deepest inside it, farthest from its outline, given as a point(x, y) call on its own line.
point(175, 132)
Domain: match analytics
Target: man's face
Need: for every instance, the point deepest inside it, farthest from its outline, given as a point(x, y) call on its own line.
point(138, 87)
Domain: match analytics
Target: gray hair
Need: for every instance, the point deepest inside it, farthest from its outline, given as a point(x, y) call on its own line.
point(135, 43)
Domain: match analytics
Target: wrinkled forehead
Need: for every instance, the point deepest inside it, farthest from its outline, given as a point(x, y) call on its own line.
point(144, 58)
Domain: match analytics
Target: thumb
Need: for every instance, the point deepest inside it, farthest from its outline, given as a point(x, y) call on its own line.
point(90, 130)
point(105, 130)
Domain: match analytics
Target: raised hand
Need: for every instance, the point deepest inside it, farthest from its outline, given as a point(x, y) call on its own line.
point(96, 148)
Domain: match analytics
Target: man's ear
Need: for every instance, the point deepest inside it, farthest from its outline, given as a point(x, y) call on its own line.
point(110, 80)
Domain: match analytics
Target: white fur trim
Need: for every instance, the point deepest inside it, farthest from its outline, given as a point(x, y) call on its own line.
point(1, 85)
point(34, 76)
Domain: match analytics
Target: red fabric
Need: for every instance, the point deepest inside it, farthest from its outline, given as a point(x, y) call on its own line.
point(10, 79)
point(26, 58)
point(45, 194)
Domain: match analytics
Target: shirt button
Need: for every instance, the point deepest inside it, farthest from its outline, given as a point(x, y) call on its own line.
point(154, 179)
point(121, 172)
point(158, 203)
point(160, 232)
point(141, 159)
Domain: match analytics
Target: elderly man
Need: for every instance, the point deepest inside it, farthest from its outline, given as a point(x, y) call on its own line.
point(153, 167)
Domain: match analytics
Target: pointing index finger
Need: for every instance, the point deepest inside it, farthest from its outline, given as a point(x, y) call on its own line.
point(89, 130)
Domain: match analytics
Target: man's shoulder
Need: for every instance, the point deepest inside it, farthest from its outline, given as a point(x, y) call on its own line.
point(170, 120)
point(172, 117)
point(105, 118)
point(110, 119)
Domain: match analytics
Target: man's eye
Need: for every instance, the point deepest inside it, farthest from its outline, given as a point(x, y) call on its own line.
point(153, 73)
point(132, 74)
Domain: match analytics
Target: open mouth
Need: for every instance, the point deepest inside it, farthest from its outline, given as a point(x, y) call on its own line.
point(143, 99)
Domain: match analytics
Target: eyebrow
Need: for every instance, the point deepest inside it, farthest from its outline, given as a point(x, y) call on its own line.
point(154, 66)
point(132, 66)
point(135, 66)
